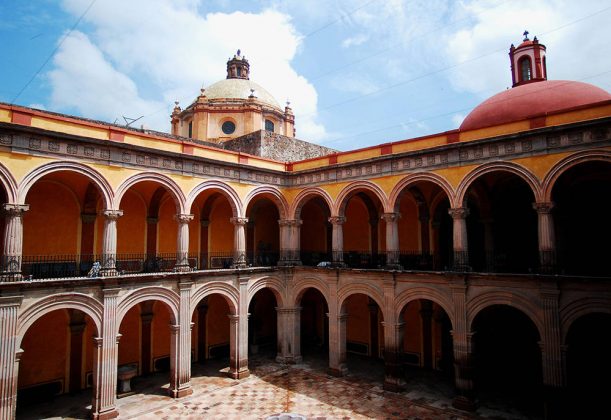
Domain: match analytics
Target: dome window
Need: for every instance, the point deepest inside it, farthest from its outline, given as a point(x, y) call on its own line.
point(525, 69)
point(228, 127)
point(269, 125)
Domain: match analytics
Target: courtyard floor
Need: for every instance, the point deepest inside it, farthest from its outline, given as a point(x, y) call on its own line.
point(272, 388)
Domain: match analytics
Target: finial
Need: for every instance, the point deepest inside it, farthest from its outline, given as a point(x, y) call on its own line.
point(525, 35)
point(252, 93)
point(176, 103)
point(535, 40)
point(288, 103)
point(238, 52)
point(201, 91)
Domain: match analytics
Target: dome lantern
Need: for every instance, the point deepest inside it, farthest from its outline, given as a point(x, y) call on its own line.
point(527, 62)
point(238, 67)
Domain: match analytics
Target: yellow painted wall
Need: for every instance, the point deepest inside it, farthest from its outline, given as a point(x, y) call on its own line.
point(358, 323)
point(409, 227)
point(167, 228)
point(131, 227)
point(220, 230)
point(314, 227)
point(217, 330)
point(357, 235)
point(129, 344)
point(160, 331)
point(52, 225)
point(412, 341)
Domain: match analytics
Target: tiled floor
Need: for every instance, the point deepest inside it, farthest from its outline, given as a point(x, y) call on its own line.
point(271, 389)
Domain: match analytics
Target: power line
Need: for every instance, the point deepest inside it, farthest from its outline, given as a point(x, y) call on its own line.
point(344, 16)
point(54, 51)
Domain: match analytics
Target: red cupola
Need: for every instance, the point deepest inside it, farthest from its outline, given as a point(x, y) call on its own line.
point(527, 62)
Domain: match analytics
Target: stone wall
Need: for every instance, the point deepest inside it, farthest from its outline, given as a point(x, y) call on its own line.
point(276, 146)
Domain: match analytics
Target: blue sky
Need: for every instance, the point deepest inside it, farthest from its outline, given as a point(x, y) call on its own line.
point(357, 73)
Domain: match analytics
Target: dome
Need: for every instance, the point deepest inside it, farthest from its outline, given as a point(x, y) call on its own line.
point(239, 89)
point(531, 99)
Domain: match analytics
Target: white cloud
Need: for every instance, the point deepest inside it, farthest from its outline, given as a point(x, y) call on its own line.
point(171, 51)
point(355, 40)
point(354, 83)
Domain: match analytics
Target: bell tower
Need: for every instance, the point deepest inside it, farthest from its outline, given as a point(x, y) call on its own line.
point(238, 67)
point(527, 62)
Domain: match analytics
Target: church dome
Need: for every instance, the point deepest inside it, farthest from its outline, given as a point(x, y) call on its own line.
point(240, 89)
point(532, 99)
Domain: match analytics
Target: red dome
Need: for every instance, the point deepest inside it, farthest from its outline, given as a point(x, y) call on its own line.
point(532, 99)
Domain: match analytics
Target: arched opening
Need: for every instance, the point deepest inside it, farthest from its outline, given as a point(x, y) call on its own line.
point(210, 336)
point(56, 367)
point(269, 125)
point(262, 232)
point(502, 224)
point(63, 228)
point(263, 325)
point(364, 231)
point(364, 337)
point(145, 347)
point(314, 327)
point(589, 366)
point(316, 232)
point(147, 232)
point(425, 230)
point(525, 69)
point(507, 359)
point(213, 229)
point(582, 196)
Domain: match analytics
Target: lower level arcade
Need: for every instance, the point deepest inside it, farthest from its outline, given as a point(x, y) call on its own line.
point(537, 344)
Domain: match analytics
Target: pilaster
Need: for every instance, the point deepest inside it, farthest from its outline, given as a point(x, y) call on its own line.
point(238, 359)
point(9, 355)
point(289, 335)
point(180, 358)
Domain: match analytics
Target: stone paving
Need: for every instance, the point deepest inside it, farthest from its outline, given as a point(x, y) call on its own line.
point(271, 389)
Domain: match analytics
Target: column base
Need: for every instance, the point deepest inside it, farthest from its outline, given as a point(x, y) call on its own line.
point(182, 269)
point(337, 372)
point(104, 415)
point(240, 374)
point(108, 272)
point(179, 393)
point(288, 360)
point(464, 403)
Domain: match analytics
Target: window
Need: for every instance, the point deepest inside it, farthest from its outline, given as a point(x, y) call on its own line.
point(190, 129)
point(525, 69)
point(228, 127)
point(269, 125)
point(239, 72)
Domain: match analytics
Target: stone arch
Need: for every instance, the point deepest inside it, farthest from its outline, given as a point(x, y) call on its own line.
point(580, 307)
point(304, 196)
point(162, 294)
point(276, 197)
point(365, 289)
point(301, 285)
point(477, 304)
point(228, 192)
point(78, 301)
point(9, 184)
point(275, 285)
point(93, 175)
point(343, 197)
point(513, 168)
point(227, 291)
point(165, 181)
point(567, 163)
point(438, 180)
point(425, 293)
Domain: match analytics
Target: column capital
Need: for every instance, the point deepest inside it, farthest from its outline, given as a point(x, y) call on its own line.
point(390, 217)
point(183, 218)
point(337, 220)
point(112, 214)
point(543, 207)
point(458, 212)
point(15, 209)
point(290, 222)
point(239, 221)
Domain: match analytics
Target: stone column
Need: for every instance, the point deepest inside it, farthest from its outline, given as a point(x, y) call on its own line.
point(238, 347)
point(463, 360)
point(289, 335)
point(338, 239)
point(337, 344)
point(109, 243)
point(106, 359)
point(9, 355)
point(392, 240)
point(13, 239)
point(182, 242)
point(547, 237)
point(461, 245)
point(393, 351)
point(239, 241)
point(552, 351)
point(290, 231)
point(146, 320)
point(204, 262)
point(180, 354)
